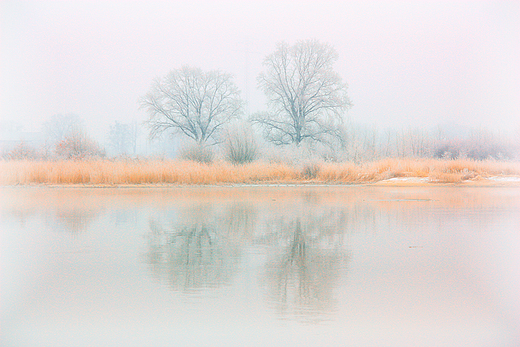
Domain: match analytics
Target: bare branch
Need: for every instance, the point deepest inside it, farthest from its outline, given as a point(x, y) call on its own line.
point(192, 102)
point(306, 96)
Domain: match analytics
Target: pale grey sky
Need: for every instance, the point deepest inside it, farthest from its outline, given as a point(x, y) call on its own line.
point(416, 63)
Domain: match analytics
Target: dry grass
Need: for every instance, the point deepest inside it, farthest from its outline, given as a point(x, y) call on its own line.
point(105, 172)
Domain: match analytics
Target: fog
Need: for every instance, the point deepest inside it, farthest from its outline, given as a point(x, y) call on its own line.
point(407, 64)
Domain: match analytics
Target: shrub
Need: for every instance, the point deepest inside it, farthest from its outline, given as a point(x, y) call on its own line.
point(473, 149)
point(310, 170)
point(22, 151)
point(241, 147)
point(197, 152)
point(78, 146)
point(291, 154)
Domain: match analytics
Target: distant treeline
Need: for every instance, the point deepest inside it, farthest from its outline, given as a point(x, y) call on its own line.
point(241, 143)
point(199, 115)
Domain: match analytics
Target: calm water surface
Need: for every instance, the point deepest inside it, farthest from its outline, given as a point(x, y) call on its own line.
point(260, 266)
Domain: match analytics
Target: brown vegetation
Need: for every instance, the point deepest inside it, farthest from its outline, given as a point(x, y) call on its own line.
point(145, 172)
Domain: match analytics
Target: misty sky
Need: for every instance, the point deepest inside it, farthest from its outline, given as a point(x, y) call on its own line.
point(412, 63)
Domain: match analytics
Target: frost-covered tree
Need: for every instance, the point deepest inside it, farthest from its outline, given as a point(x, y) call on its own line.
point(192, 102)
point(307, 98)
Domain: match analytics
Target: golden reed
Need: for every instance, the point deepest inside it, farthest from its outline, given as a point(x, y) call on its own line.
point(151, 172)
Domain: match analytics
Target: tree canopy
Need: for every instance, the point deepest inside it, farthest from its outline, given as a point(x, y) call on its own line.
point(192, 102)
point(307, 98)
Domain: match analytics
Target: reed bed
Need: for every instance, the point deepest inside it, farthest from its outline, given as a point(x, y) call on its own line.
point(152, 172)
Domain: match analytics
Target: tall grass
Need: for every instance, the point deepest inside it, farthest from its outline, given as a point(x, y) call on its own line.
point(130, 172)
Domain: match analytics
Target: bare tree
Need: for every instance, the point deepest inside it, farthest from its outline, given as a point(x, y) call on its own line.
point(307, 98)
point(120, 137)
point(192, 102)
point(60, 126)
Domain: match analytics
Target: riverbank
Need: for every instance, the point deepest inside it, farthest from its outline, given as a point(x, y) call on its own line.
point(163, 173)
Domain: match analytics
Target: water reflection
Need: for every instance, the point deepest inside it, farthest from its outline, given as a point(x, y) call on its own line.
point(64, 211)
point(305, 263)
point(222, 265)
point(192, 253)
point(73, 220)
point(196, 246)
point(239, 220)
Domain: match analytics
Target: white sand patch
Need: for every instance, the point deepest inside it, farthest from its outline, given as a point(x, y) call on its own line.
point(505, 178)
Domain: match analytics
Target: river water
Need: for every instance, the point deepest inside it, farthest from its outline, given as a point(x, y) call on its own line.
point(260, 266)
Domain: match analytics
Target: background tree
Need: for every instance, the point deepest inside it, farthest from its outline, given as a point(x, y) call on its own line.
point(307, 98)
point(58, 128)
point(120, 137)
point(192, 102)
point(61, 126)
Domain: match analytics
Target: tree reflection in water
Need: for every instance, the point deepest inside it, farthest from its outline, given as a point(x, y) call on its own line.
point(304, 269)
point(201, 248)
point(192, 254)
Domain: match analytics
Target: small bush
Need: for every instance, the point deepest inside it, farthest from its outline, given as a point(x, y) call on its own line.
point(474, 149)
point(310, 170)
point(197, 152)
point(291, 155)
point(241, 147)
point(78, 146)
point(22, 151)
